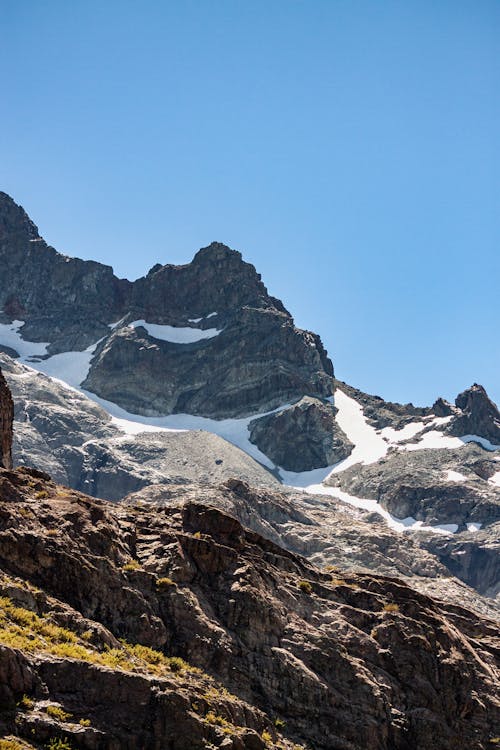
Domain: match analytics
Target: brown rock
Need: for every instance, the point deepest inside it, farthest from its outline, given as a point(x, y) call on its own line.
point(6, 424)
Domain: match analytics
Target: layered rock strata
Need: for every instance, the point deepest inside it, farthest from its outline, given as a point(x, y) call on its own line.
point(6, 424)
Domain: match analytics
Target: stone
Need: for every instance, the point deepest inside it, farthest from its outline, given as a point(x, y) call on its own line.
point(6, 423)
point(258, 361)
point(477, 415)
point(302, 437)
point(344, 659)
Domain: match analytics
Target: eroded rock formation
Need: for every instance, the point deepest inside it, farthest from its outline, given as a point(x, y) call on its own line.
point(305, 436)
point(333, 659)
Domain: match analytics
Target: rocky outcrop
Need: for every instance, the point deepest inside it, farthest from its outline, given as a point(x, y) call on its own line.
point(6, 424)
point(258, 361)
point(338, 659)
point(475, 414)
point(302, 437)
point(433, 486)
point(73, 439)
point(380, 413)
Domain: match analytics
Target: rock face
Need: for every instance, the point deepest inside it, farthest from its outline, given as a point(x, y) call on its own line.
point(63, 433)
point(302, 437)
point(257, 361)
point(380, 413)
point(433, 486)
point(345, 661)
point(6, 424)
point(476, 414)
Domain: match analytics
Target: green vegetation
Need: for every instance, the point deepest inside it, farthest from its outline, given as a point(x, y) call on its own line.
point(56, 712)
point(84, 722)
point(391, 607)
point(131, 565)
point(22, 629)
point(305, 586)
point(11, 744)
point(26, 703)
point(57, 744)
point(41, 495)
point(164, 583)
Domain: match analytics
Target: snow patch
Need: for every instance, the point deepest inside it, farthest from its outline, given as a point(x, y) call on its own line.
point(175, 335)
point(197, 320)
point(401, 525)
point(10, 336)
point(495, 479)
point(474, 526)
point(454, 476)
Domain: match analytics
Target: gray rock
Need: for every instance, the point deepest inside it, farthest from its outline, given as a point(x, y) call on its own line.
point(305, 436)
point(380, 413)
point(63, 433)
point(414, 483)
point(259, 361)
point(6, 420)
point(475, 414)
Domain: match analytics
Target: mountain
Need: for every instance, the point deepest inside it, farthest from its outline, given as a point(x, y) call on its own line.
point(133, 626)
point(204, 338)
point(270, 558)
point(195, 375)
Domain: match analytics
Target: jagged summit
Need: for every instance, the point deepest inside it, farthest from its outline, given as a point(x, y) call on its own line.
point(15, 221)
point(248, 357)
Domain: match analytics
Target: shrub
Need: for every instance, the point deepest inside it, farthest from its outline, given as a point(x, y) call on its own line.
point(57, 744)
point(197, 535)
point(279, 723)
point(266, 737)
point(8, 744)
point(305, 586)
point(26, 702)
point(131, 565)
point(164, 583)
point(41, 495)
point(56, 712)
point(390, 607)
point(213, 718)
point(84, 722)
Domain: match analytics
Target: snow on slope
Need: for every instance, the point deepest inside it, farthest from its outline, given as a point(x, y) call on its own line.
point(71, 369)
point(176, 335)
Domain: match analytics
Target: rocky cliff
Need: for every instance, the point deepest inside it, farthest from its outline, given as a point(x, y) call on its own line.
point(218, 638)
point(6, 424)
point(234, 349)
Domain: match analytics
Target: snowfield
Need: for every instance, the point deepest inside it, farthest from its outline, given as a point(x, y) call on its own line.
point(71, 369)
point(176, 335)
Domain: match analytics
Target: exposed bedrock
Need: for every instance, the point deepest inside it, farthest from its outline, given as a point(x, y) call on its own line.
point(258, 361)
point(475, 414)
point(6, 423)
point(305, 436)
point(344, 660)
point(434, 486)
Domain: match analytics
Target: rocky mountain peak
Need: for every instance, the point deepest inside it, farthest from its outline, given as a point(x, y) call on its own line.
point(6, 423)
point(15, 221)
point(479, 415)
point(216, 251)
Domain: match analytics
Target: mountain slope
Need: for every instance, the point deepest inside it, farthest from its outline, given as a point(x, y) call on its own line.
point(336, 660)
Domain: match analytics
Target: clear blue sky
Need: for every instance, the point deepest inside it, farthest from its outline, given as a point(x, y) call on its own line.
point(350, 150)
